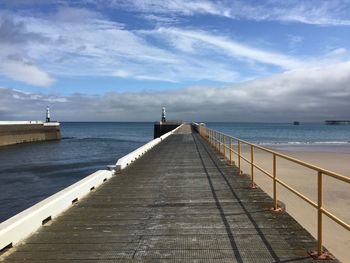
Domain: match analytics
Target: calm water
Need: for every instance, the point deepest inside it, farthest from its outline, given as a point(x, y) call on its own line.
point(32, 172)
point(285, 136)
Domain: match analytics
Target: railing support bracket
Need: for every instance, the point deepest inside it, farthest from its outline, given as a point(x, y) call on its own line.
point(325, 255)
point(251, 186)
point(277, 210)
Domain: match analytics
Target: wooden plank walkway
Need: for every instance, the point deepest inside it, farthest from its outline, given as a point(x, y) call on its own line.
point(178, 203)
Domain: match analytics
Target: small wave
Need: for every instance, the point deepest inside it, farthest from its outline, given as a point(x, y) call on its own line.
point(306, 143)
point(332, 142)
point(99, 139)
point(68, 138)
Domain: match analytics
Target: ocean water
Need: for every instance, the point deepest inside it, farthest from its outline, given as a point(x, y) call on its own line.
point(31, 172)
point(286, 136)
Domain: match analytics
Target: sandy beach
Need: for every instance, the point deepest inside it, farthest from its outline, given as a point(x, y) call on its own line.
point(304, 180)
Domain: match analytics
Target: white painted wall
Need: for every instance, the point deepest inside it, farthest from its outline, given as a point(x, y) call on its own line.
point(29, 122)
point(27, 222)
point(19, 122)
point(134, 155)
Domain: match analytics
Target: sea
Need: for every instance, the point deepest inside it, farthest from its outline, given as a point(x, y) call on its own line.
point(31, 172)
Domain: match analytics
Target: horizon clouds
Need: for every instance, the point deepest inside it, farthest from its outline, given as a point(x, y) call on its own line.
point(311, 96)
point(204, 60)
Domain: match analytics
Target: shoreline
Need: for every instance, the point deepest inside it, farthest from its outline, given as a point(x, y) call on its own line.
point(310, 148)
point(304, 180)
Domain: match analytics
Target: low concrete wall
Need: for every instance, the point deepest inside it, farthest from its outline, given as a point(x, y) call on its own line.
point(133, 156)
point(27, 222)
point(22, 132)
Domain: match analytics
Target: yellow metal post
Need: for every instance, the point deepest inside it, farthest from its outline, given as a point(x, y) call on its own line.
point(224, 144)
point(239, 156)
point(214, 137)
point(319, 214)
point(252, 165)
point(274, 183)
point(218, 141)
point(230, 150)
point(221, 140)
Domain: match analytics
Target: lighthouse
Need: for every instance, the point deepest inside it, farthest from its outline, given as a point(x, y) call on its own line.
point(163, 115)
point(163, 126)
point(47, 114)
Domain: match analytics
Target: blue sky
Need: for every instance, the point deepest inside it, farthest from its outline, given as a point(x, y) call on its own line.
point(134, 51)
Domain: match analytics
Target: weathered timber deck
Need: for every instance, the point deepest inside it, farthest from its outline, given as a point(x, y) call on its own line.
point(180, 202)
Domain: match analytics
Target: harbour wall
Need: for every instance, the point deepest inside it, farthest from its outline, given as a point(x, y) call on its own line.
point(161, 128)
point(28, 131)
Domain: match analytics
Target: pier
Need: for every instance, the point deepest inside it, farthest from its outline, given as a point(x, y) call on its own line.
point(16, 132)
point(177, 200)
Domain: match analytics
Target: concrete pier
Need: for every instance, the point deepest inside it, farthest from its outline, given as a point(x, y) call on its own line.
point(180, 202)
point(14, 132)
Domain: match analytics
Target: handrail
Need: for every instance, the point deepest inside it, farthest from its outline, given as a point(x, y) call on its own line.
point(220, 141)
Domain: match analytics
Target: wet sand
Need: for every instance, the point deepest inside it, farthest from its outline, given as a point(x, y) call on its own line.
point(304, 180)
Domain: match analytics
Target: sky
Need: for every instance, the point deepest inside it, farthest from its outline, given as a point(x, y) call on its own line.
point(227, 60)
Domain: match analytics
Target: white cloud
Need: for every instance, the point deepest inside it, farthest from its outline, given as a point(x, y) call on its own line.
point(103, 47)
point(174, 6)
point(80, 42)
point(337, 52)
point(69, 14)
point(14, 62)
point(306, 95)
point(160, 20)
point(228, 46)
point(24, 72)
point(316, 12)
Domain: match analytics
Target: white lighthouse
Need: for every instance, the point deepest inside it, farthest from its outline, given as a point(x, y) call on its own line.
point(163, 115)
point(47, 114)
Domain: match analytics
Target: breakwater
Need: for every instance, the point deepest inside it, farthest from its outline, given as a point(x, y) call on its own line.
point(15, 132)
point(176, 208)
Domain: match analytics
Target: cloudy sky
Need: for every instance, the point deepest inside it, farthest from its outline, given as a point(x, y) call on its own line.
point(227, 60)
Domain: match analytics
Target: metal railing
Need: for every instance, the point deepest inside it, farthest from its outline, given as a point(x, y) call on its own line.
point(225, 145)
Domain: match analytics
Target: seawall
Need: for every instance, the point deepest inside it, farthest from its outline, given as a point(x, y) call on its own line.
point(28, 131)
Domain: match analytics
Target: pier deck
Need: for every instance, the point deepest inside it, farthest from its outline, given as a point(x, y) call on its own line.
point(179, 202)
